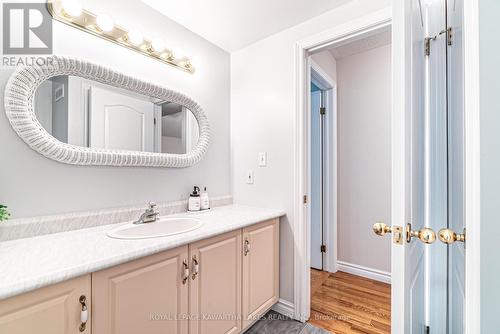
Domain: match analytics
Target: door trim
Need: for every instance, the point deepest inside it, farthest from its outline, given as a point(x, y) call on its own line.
point(329, 85)
point(301, 226)
point(472, 168)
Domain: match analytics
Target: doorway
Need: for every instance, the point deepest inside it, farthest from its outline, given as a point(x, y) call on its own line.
point(350, 180)
point(411, 162)
point(323, 139)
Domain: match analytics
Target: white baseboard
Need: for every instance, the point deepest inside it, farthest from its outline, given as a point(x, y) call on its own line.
point(284, 307)
point(373, 274)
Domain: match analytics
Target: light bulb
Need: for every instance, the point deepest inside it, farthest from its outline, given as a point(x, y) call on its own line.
point(194, 61)
point(104, 22)
point(158, 45)
point(135, 37)
point(72, 8)
point(178, 53)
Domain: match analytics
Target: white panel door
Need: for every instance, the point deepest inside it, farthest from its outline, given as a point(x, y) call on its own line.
point(316, 183)
point(408, 165)
point(119, 121)
point(456, 175)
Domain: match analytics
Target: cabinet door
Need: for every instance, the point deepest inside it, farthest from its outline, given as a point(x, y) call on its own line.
point(260, 269)
point(143, 296)
point(55, 309)
point(215, 292)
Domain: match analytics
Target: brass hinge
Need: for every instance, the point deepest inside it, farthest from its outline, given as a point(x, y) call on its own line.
point(427, 45)
point(322, 110)
point(427, 40)
point(305, 199)
point(323, 248)
point(449, 35)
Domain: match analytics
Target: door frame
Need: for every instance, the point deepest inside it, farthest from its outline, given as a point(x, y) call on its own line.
point(301, 227)
point(329, 86)
point(472, 168)
point(362, 26)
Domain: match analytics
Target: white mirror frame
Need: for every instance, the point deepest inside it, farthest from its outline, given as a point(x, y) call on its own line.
point(20, 91)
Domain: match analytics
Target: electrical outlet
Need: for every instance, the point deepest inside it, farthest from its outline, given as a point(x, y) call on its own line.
point(250, 177)
point(262, 159)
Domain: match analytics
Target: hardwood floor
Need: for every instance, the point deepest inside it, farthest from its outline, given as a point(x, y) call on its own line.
point(346, 303)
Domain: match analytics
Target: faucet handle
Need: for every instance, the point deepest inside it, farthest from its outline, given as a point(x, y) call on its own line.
point(152, 205)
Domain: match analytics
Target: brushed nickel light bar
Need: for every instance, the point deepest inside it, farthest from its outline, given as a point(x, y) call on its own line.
point(71, 13)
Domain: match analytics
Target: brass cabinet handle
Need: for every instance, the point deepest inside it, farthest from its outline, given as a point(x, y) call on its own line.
point(426, 235)
point(185, 272)
point(449, 236)
point(196, 268)
point(246, 249)
point(84, 315)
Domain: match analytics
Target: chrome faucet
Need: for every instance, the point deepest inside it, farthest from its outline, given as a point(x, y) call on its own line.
point(149, 216)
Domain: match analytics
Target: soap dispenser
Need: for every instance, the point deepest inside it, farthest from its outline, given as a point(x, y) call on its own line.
point(194, 203)
point(205, 201)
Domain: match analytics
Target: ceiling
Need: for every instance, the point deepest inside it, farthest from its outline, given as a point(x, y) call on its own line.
point(361, 45)
point(234, 24)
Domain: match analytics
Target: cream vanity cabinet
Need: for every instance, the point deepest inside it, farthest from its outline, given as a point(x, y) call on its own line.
point(148, 295)
point(260, 270)
point(219, 285)
point(56, 309)
point(215, 286)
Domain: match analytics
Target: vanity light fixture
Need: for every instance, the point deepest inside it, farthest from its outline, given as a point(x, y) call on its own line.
point(71, 8)
point(157, 45)
point(134, 37)
point(178, 53)
point(71, 13)
point(104, 22)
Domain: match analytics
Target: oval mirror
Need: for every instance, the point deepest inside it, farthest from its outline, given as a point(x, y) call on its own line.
point(81, 113)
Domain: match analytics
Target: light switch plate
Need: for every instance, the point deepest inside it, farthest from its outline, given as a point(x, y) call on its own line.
point(262, 159)
point(250, 177)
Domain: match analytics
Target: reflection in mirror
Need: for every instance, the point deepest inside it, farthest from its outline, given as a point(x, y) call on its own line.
point(86, 113)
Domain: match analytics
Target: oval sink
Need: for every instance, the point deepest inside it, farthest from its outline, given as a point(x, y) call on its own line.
point(160, 228)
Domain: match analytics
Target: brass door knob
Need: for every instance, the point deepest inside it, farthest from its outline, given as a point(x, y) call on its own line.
point(426, 235)
point(448, 236)
point(381, 228)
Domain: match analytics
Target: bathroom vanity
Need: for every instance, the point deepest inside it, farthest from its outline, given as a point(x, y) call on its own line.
point(185, 283)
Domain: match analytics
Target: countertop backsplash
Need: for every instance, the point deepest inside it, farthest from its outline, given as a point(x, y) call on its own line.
point(35, 226)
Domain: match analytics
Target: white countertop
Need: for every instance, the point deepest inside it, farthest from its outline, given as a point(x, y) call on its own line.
point(31, 263)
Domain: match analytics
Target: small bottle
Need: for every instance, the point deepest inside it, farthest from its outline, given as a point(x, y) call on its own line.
point(205, 201)
point(194, 203)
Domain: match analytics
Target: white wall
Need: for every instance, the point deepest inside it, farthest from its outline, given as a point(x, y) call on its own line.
point(262, 116)
point(364, 157)
point(31, 184)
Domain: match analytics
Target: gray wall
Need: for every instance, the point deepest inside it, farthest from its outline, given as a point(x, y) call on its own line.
point(489, 30)
point(364, 157)
point(31, 184)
